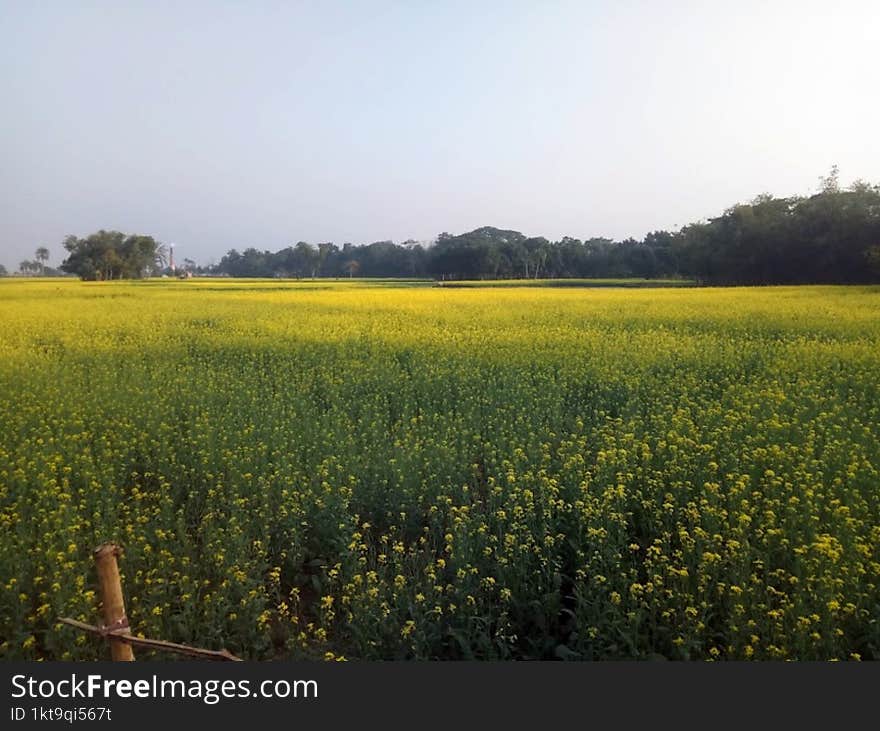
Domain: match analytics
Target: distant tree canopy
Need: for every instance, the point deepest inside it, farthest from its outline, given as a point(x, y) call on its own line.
point(830, 237)
point(38, 266)
point(113, 255)
point(381, 259)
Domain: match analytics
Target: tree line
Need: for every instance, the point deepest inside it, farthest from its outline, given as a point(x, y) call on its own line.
point(832, 236)
point(38, 266)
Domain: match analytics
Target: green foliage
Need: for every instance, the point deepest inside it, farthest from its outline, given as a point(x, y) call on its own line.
point(830, 237)
point(109, 255)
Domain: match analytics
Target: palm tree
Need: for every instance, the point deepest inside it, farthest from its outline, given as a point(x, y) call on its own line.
point(42, 256)
point(161, 260)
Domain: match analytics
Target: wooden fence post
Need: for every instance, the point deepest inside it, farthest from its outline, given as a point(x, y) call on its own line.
point(110, 588)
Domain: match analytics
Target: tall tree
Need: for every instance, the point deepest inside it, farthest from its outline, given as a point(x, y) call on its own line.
point(42, 256)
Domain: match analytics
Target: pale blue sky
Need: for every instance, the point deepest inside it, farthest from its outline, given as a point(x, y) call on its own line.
point(215, 125)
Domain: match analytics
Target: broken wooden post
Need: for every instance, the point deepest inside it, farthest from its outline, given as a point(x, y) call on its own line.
point(110, 591)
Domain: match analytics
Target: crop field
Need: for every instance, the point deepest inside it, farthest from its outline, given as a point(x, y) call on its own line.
point(562, 282)
point(353, 470)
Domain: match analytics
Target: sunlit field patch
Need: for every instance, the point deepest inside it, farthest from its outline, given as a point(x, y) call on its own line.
point(397, 470)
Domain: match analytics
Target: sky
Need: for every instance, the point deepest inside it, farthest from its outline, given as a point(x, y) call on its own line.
point(219, 125)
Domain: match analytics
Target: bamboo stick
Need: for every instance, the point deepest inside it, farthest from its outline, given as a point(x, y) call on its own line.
point(122, 636)
point(110, 591)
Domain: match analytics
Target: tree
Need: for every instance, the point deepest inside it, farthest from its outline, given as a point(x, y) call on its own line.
point(28, 267)
point(42, 256)
point(537, 251)
point(326, 252)
point(3, 271)
point(305, 260)
point(351, 267)
point(160, 260)
point(872, 257)
point(112, 255)
point(830, 183)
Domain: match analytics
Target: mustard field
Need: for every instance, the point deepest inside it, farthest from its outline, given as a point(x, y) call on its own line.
point(394, 470)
